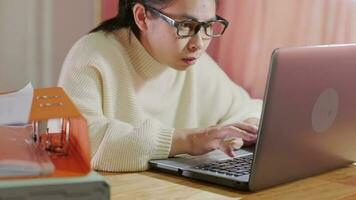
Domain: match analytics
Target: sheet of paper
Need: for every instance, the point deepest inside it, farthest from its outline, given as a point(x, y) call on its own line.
point(15, 107)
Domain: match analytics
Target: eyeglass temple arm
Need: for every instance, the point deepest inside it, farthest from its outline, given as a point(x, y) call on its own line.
point(170, 21)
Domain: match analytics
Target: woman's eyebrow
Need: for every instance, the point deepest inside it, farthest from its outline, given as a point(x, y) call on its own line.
point(189, 16)
point(194, 18)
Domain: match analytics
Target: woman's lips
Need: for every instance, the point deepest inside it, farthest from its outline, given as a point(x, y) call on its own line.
point(189, 61)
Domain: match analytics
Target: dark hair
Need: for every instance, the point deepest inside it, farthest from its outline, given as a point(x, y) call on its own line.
point(125, 18)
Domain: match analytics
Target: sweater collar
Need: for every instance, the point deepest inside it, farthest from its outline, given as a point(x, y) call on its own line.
point(143, 63)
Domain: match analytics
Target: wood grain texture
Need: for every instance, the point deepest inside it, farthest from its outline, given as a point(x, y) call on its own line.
point(339, 184)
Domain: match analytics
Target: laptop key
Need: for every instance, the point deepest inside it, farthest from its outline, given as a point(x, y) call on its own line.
point(234, 167)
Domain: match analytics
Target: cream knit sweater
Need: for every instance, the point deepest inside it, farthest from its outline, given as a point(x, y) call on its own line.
point(133, 104)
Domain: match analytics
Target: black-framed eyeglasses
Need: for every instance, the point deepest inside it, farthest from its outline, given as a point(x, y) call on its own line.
point(190, 27)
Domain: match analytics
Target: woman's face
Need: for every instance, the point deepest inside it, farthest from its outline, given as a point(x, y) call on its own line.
point(162, 41)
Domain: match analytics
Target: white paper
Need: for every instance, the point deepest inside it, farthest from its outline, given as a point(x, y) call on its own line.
point(15, 107)
point(55, 125)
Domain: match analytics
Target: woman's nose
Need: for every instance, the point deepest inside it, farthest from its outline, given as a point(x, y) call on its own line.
point(196, 42)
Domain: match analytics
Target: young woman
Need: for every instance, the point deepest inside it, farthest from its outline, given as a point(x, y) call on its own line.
point(148, 89)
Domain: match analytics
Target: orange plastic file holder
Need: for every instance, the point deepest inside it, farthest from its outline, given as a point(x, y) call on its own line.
point(77, 162)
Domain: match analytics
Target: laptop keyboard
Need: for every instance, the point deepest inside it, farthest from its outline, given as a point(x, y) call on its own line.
point(233, 167)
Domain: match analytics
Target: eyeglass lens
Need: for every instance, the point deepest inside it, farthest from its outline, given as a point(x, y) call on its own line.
point(189, 28)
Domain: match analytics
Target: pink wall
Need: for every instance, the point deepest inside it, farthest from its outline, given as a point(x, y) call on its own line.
point(109, 8)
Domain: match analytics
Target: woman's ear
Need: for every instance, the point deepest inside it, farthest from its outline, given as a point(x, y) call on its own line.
point(139, 13)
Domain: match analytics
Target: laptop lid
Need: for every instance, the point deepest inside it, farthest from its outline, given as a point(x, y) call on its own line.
point(308, 124)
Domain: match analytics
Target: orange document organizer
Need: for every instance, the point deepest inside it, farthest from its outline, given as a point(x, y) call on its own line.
point(53, 103)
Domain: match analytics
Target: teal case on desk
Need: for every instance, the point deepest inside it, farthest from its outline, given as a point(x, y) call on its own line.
point(89, 187)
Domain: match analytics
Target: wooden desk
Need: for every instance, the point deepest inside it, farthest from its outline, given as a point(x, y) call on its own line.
point(339, 184)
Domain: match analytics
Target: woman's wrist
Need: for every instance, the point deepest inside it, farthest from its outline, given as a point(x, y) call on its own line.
point(179, 143)
point(182, 141)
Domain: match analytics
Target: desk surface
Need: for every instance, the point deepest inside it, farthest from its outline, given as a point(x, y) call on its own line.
point(339, 184)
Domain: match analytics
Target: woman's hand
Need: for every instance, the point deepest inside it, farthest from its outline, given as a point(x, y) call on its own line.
point(253, 122)
point(201, 141)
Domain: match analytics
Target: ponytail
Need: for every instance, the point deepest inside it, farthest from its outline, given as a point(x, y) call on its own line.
point(123, 19)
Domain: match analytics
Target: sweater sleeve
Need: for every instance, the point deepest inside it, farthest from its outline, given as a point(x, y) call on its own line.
point(116, 146)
